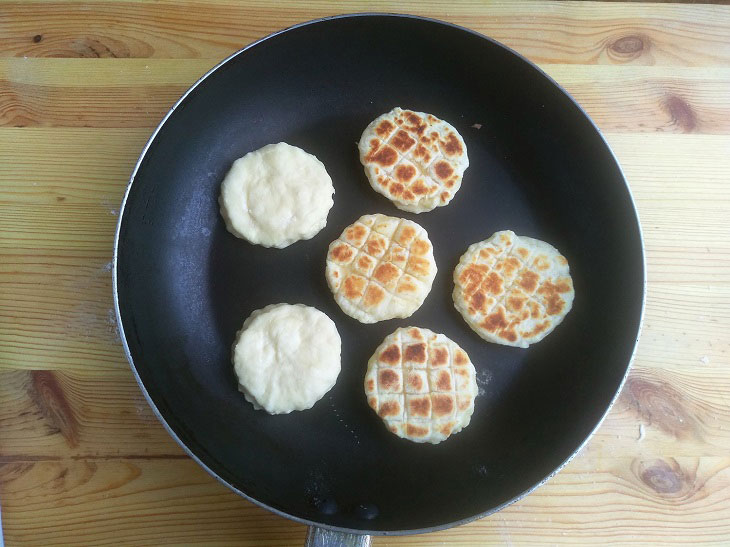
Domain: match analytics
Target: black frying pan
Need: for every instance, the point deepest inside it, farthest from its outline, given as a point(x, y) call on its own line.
point(183, 284)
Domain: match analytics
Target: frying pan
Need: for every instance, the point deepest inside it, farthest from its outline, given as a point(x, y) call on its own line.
point(183, 285)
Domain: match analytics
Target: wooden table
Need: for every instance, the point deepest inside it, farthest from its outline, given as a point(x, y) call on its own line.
point(82, 84)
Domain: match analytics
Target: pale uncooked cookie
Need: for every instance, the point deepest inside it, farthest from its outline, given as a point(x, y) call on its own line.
point(380, 267)
point(414, 159)
point(422, 385)
point(286, 357)
point(276, 195)
point(513, 290)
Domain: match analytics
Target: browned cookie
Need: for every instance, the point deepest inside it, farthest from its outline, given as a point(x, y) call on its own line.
point(380, 267)
point(422, 384)
point(513, 290)
point(414, 159)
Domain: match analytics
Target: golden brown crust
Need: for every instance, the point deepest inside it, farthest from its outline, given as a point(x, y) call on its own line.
point(385, 156)
point(386, 273)
point(419, 406)
point(429, 393)
point(391, 355)
point(443, 381)
point(380, 267)
point(384, 129)
point(512, 290)
point(389, 380)
point(374, 295)
point(439, 356)
point(461, 358)
point(415, 353)
point(414, 159)
point(354, 286)
point(443, 405)
point(342, 253)
point(391, 408)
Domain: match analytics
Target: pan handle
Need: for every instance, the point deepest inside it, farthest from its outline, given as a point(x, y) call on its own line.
point(322, 537)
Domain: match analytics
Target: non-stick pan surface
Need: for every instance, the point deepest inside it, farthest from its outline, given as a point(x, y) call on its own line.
point(538, 167)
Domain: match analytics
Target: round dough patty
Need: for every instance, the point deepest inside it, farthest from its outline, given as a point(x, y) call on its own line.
point(422, 384)
point(380, 267)
point(276, 195)
point(286, 357)
point(414, 159)
point(513, 290)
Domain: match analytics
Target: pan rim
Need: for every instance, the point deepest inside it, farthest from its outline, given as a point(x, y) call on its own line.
point(198, 460)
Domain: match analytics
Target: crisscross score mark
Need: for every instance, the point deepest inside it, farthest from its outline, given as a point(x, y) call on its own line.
point(410, 408)
point(504, 332)
point(406, 155)
point(367, 290)
point(531, 297)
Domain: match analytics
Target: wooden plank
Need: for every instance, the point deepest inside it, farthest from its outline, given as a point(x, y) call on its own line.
point(68, 170)
point(681, 190)
point(673, 412)
point(138, 92)
point(553, 32)
point(633, 99)
point(131, 502)
point(685, 328)
point(67, 323)
point(48, 415)
point(135, 502)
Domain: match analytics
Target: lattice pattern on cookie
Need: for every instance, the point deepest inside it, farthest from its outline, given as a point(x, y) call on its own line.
point(414, 159)
point(422, 384)
point(380, 267)
point(513, 290)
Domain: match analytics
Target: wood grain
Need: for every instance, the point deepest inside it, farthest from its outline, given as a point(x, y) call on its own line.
point(136, 501)
point(131, 502)
point(47, 415)
point(64, 93)
point(83, 459)
point(584, 33)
